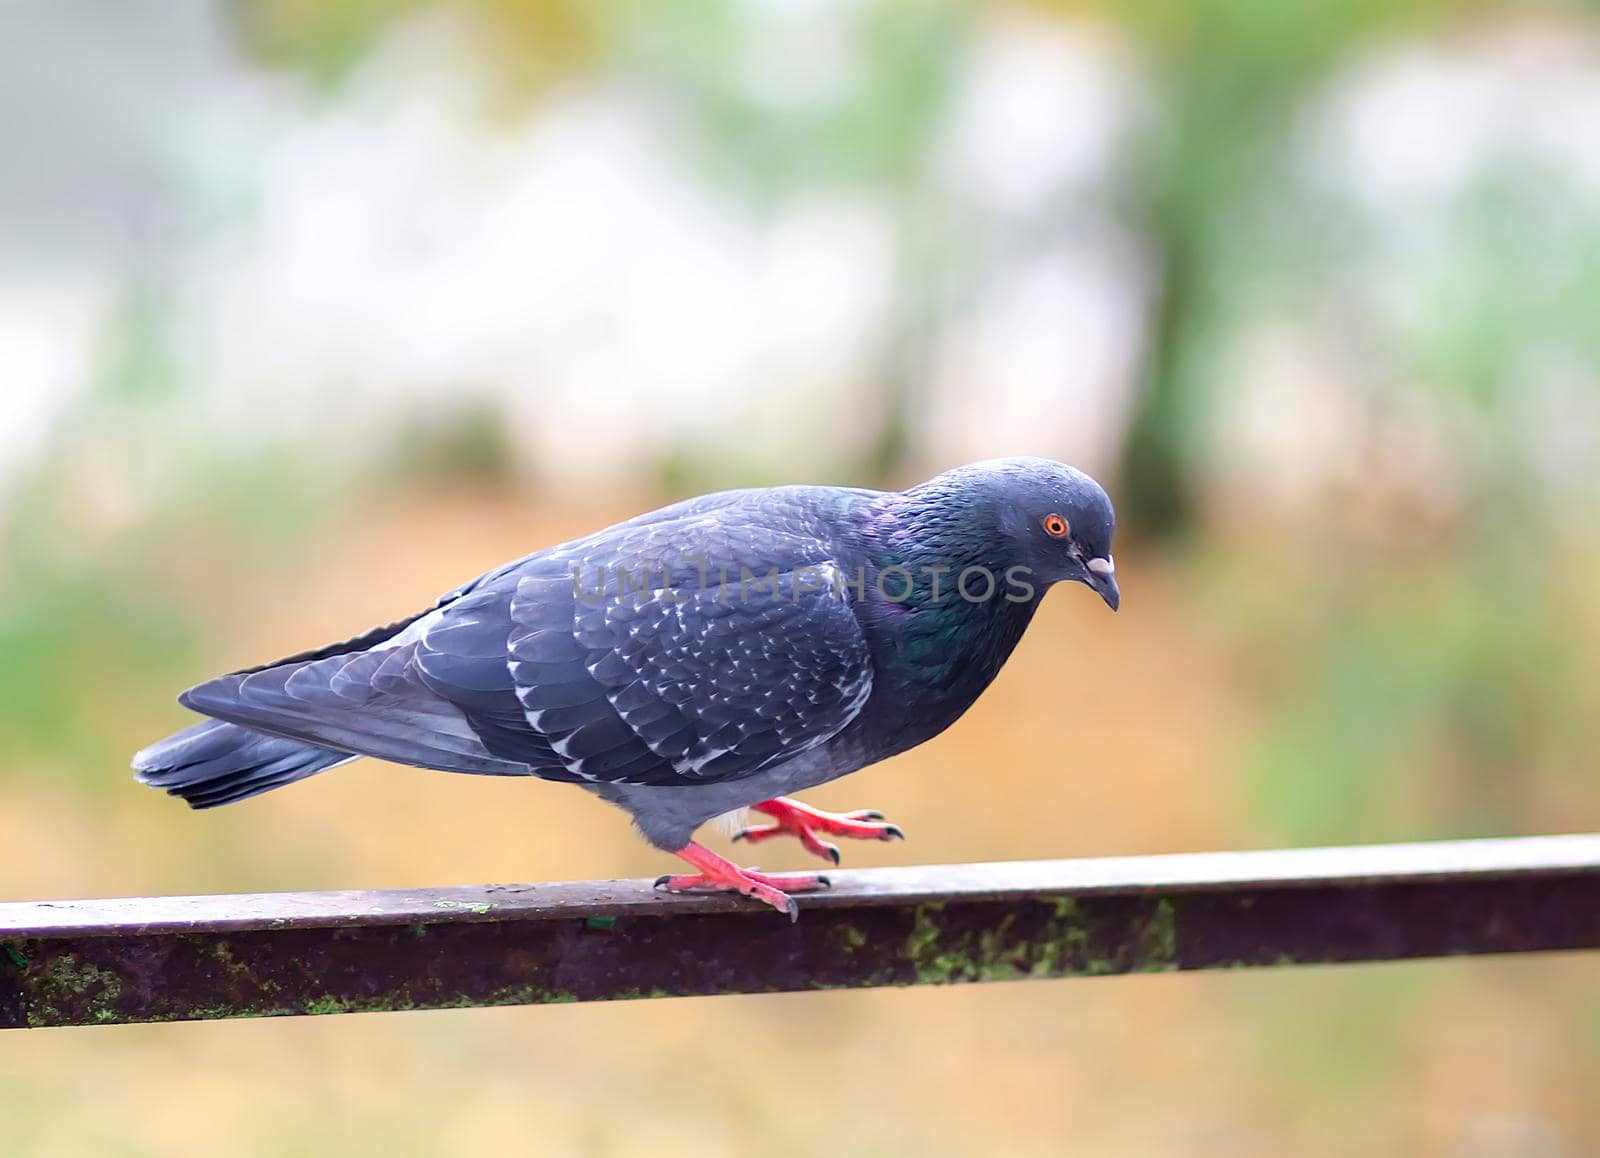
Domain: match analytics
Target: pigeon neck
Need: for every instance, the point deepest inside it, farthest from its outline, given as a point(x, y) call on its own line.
point(933, 527)
point(943, 590)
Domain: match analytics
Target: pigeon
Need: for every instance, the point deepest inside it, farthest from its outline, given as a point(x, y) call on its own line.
point(715, 656)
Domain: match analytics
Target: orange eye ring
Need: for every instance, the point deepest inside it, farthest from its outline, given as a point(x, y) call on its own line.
point(1056, 527)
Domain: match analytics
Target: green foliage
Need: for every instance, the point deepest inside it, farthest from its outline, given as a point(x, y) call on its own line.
point(466, 445)
point(1447, 683)
point(871, 130)
point(1231, 77)
point(534, 44)
point(99, 546)
point(325, 40)
point(95, 625)
point(78, 642)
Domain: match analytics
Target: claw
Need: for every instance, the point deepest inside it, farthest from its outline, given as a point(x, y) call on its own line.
point(723, 875)
point(805, 823)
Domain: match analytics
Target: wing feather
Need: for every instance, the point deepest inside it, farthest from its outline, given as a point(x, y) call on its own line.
point(639, 680)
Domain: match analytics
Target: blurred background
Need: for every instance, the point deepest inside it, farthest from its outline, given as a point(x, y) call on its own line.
point(310, 310)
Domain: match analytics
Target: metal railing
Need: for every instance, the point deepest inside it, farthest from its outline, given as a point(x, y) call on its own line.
point(180, 958)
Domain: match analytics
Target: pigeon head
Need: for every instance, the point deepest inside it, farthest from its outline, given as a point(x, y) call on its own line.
point(1048, 517)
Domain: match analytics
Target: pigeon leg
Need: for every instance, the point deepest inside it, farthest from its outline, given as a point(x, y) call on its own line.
point(806, 822)
point(723, 875)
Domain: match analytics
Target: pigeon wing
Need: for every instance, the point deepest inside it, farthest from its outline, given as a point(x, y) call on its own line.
point(658, 674)
point(687, 683)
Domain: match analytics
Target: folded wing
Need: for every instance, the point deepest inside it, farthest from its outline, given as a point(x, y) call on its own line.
point(607, 660)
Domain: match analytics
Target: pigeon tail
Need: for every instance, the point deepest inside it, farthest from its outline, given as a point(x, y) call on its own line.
point(214, 763)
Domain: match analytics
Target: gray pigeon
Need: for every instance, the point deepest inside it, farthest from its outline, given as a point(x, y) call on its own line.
point(712, 656)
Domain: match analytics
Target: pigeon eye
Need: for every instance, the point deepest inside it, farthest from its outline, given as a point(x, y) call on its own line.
point(1056, 527)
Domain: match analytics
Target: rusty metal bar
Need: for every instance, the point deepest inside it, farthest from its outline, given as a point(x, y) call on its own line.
point(179, 958)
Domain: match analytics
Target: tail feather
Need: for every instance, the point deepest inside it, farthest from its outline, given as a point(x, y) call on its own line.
point(213, 763)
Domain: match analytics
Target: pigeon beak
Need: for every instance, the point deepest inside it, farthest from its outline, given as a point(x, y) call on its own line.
point(1103, 578)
